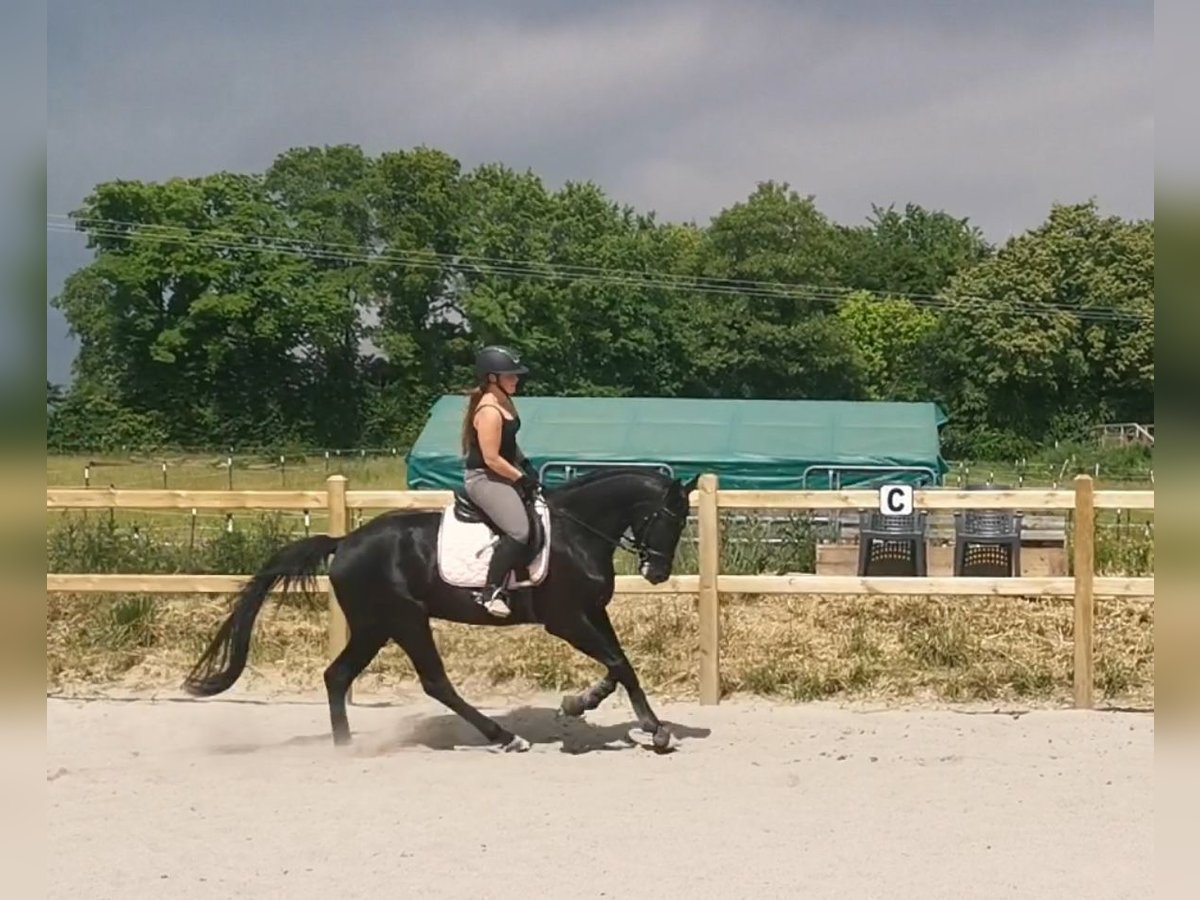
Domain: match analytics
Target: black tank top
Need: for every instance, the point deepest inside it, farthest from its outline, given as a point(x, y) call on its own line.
point(508, 444)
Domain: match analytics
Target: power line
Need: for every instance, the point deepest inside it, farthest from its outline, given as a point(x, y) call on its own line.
point(432, 260)
point(420, 259)
point(462, 258)
point(497, 265)
point(527, 268)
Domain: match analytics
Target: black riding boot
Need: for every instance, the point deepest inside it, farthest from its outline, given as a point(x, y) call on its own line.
point(506, 557)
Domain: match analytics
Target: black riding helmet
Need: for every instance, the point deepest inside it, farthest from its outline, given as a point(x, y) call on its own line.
point(497, 360)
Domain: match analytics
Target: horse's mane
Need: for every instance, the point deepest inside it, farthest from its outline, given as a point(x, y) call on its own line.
point(587, 479)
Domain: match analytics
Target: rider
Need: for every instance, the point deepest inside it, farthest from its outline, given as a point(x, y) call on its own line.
point(497, 472)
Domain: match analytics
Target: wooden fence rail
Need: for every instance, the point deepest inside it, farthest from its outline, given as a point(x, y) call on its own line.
point(709, 584)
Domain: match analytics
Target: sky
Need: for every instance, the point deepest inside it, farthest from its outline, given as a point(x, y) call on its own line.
point(991, 111)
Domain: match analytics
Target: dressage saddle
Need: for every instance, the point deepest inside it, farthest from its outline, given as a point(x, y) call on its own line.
point(466, 510)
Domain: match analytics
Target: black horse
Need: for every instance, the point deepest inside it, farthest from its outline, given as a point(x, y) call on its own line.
point(386, 577)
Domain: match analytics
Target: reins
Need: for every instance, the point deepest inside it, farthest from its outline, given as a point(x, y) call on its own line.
point(636, 546)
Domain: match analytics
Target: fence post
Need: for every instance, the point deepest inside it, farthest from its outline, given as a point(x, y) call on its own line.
point(708, 523)
point(335, 488)
point(1085, 557)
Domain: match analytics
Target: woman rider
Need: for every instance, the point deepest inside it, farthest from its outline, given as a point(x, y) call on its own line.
point(497, 472)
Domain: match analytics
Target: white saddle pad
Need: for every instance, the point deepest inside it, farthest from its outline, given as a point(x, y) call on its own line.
point(465, 550)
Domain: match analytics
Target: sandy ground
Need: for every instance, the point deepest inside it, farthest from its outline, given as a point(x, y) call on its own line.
point(219, 798)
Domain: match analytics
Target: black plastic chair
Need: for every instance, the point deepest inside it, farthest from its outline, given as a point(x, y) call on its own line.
point(987, 542)
point(892, 545)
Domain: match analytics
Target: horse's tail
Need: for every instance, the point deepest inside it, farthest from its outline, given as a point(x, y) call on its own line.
point(225, 658)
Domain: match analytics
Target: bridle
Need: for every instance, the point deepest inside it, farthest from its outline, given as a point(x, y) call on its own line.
point(639, 529)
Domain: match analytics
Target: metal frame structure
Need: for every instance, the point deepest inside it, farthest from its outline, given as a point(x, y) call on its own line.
point(570, 465)
point(835, 484)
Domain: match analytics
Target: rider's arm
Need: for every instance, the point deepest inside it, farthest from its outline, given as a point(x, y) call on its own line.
point(488, 428)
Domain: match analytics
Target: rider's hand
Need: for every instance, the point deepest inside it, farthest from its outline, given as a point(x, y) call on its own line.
point(528, 485)
point(530, 472)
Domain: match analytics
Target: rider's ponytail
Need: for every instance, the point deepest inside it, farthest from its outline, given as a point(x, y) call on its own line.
point(468, 425)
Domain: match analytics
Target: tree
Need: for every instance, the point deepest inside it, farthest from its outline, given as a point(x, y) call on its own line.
point(325, 196)
point(574, 280)
point(332, 298)
point(1053, 334)
point(195, 313)
point(914, 253)
point(776, 334)
point(418, 205)
point(890, 336)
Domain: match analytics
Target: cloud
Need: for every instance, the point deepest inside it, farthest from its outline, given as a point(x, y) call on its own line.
point(999, 143)
point(991, 111)
point(840, 101)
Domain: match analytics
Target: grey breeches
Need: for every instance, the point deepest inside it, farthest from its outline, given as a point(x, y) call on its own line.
point(500, 500)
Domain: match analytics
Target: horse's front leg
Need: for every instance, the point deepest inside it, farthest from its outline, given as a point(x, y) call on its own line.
point(598, 616)
point(592, 634)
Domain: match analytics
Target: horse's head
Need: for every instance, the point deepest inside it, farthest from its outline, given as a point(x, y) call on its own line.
point(657, 528)
point(649, 504)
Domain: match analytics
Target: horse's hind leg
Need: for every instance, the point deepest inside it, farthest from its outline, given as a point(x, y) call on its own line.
point(602, 688)
point(365, 641)
point(577, 704)
point(413, 634)
point(622, 672)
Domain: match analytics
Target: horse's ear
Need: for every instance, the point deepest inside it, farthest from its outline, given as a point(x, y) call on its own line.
point(690, 484)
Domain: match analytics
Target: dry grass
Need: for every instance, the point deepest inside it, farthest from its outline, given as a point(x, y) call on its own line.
point(936, 648)
point(790, 648)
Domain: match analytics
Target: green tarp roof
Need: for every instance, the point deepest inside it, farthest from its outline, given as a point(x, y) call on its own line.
point(748, 444)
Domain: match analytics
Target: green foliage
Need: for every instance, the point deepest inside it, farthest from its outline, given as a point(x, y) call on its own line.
point(891, 337)
point(89, 415)
point(916, 252)
point(789, 344)
point(1125, 548)
point(1081, 457)
point(328, 300)
point(1051, 334)
point(750, 545)
point(98, 544)
point(203, 324)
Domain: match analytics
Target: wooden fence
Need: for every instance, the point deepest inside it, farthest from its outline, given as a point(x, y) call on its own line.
point(709, 584)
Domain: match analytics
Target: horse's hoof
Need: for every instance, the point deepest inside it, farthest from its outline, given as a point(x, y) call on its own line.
point(517, 745)
point(664, 741)
point(342, 740)
point(572, 706)
point(661, 740)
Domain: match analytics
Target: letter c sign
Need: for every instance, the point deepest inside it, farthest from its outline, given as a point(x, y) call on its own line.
point(896, 499)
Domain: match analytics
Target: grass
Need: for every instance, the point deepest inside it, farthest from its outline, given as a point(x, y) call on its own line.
point(212, 473)
point(385, 469)
point(793, 648)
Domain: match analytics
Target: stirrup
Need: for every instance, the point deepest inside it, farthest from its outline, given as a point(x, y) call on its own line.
point(495, 601)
